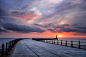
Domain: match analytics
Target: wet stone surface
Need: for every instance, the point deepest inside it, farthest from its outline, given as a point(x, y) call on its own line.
point(32, 48)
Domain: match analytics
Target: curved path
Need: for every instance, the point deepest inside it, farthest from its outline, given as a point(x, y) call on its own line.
point(32, 48)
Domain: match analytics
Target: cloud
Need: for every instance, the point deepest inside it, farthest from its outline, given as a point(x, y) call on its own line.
point(68, 11)
point(21, 28)
point(2, 12)
point(21, 15)
point(40, 25)
point(45, 26)
point(78, 28)
point(80, 34)
point(1, 30)
point(52, 30)
point(51, 10)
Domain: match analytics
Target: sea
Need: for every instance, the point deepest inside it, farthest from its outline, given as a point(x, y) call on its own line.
point(4, 40)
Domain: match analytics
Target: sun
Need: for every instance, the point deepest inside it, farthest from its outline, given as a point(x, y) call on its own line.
point(59, 36)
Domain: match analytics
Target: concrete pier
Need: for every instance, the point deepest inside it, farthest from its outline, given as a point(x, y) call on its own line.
point(32, 48)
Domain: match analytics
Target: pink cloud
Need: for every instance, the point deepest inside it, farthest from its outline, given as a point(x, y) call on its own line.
point(1, 20)
point(20, 15)
point(23, 16)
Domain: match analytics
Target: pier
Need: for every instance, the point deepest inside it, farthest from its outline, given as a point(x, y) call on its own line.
point(32, 48)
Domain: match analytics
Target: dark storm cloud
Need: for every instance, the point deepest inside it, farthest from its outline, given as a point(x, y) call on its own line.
point(52, 30)
point(4, 18)
point(60, 26)
point(20, 15)
point(21, 28)
point(80, 34)
point(14, 4)
point(45, 26)
point(2, 13)
point(40, 25)
point(1, 30)
point(17, 13)
point(69, 28)
point(79, 26)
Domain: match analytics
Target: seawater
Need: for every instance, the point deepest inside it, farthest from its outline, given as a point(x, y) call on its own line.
point(4, 40)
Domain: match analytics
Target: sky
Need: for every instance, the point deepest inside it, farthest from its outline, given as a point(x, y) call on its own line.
point(42, 18)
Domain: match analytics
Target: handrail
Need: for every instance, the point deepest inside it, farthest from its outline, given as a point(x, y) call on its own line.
point(83, 42)
point(0, 46)
point(5, 48)
point(76, 44)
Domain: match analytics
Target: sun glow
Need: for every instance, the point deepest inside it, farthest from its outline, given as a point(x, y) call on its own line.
point(59, 36)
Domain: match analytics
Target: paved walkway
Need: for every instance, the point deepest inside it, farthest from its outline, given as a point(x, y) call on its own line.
point(32, 48)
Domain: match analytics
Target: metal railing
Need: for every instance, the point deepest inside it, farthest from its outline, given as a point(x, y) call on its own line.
point(5, 48)
point(75, 44)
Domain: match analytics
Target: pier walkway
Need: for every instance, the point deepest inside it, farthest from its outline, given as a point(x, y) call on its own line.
point(32, 48)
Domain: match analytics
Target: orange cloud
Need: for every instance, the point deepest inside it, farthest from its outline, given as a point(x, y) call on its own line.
point(1, 20)
point(68, 26)
point(25, 16)
point(21, 16)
